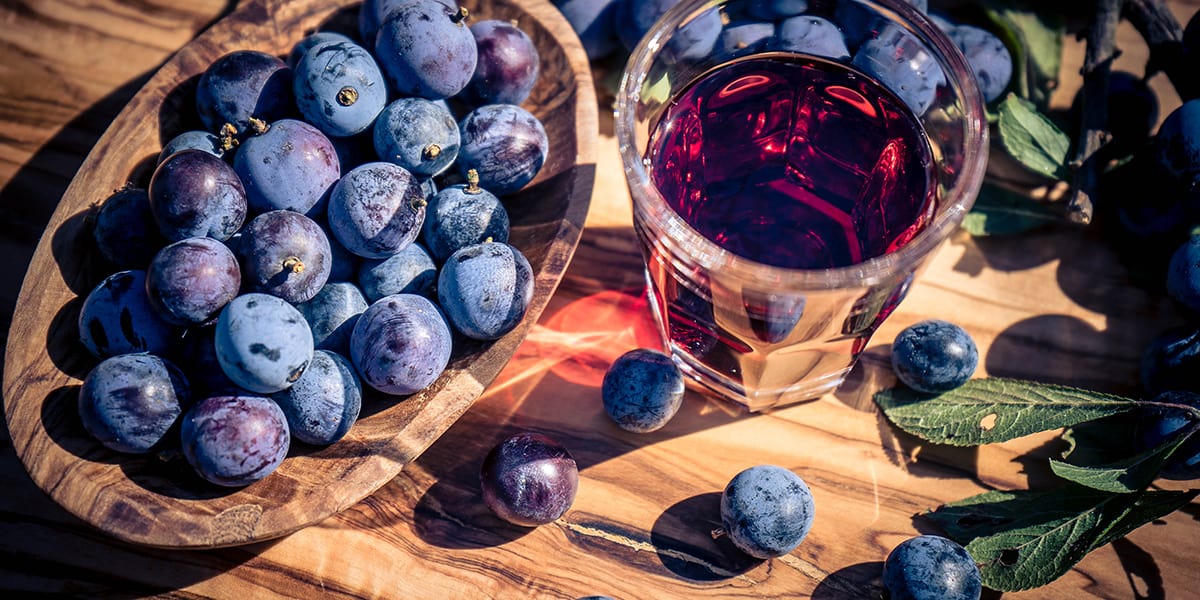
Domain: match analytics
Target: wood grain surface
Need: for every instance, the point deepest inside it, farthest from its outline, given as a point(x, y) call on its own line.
point(1053, 305)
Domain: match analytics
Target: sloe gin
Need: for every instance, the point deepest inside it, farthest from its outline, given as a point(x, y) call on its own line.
point(793, 162)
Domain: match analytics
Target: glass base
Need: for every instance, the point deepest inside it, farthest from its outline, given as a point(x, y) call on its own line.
point(709, 382)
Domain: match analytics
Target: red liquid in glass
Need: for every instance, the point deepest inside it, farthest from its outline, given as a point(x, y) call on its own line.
point(792, 162)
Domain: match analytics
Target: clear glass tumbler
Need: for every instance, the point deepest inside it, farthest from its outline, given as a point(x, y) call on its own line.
point(763, 334)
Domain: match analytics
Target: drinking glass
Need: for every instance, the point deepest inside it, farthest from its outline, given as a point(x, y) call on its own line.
point(763, 335)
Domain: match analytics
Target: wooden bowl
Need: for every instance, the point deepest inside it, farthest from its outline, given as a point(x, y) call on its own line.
point(147, 500)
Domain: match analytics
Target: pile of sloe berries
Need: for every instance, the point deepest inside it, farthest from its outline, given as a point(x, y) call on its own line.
point(338, 222)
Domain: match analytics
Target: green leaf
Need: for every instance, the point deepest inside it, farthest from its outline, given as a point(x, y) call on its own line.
point(1032, 138)
point(1148, 507)
point(1124, 476)
point(1026, 539)
point(1035, 40)
point(985, 411)
point(999, 211)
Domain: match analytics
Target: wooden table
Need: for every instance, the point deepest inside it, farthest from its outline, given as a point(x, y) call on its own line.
point(1052, 305)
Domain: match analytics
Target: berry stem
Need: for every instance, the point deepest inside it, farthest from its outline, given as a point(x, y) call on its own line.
point(258, 126)
point(293, 264)
point(718, 533)
point(472, 182)
point(347, 96)
point(431, 152)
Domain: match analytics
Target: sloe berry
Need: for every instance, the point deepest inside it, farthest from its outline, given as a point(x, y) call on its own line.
point(331, 315)
point(930, 567)
point(117, 317)
point(193, 193)
point(417, 134)
point(130, 402)
point(125, 231)
point(410, 271)
point(1183, 274)
point(767, 511)
point(324, 403)
point(529, 479)
point(505, 144)
point(339, 88)
point(400, 344)
point(263, 343)
point(235, 440)
point(426, 49)
point(291, 166)
point(462, 215)
point(485, 289)
point(377, 209)
point(1157, 424)
point(642, 390)
point(934, 356)
point(989, 58)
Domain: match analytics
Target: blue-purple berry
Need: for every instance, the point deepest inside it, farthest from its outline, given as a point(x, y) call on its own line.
point(117, 317)
point(462, 215)
point(417, 134)
point(642, 390)
point(767, 511)
point(1183, 274)
point(410, 271)
point(324, 403)
point(529, 479)
point(930, 567)
point(426, 49)
point(401, 344)
point(339, 88)
point(130, 402)
point(290, 166)
point(377, 209)
point(934, 356)
point(505, 144)
point(332, 313)
point(1158, 424)
point(485, 289)
point(263, 343)
point(235, 440)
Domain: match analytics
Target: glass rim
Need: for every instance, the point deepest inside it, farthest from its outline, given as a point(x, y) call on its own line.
point(958, 200)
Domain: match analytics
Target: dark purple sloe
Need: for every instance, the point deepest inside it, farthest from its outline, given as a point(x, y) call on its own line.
point(189, 281)
point(400, 344)
point(235, 440)
point(529, 479)
point(193, 194)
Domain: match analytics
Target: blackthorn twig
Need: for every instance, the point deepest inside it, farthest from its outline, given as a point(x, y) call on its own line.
point(1164, 36)
point(1093, 132)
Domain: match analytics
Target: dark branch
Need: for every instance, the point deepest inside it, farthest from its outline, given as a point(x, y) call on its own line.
point(1093, 133)
point(1164, 37)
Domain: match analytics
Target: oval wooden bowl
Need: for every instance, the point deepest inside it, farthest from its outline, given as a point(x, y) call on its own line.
point(152, 501)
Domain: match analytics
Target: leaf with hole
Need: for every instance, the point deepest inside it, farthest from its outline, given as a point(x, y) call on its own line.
point(985, 411)
point(1124, 476)
point(1025, 539)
